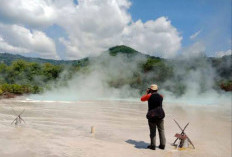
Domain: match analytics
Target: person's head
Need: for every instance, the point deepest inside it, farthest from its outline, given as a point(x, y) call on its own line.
point(154, 88)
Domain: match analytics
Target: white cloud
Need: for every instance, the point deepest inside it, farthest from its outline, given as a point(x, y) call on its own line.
point(18, 39)
point(9, 48)
point(157, 37)
point(107, 23)
point(223, 53)
point(30, 12)
point(195, 34)
point(93, 26)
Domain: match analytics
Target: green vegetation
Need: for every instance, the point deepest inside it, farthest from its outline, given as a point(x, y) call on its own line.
point(122, 49)
point(226, 85)
point(19, 89)
point(7, 59)
point(22, 75)
point(27, 77)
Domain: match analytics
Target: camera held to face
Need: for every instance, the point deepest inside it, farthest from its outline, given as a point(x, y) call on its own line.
point(149, 90)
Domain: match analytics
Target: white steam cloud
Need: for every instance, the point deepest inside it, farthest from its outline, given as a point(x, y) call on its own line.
point(223, 53)
point(94, 83)
point(194, 77)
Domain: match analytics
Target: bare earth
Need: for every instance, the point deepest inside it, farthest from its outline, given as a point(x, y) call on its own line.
point(62, 129)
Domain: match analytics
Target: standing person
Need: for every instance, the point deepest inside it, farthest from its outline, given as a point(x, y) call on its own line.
point(154, 101)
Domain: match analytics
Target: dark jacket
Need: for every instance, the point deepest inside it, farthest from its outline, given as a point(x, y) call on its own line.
point(154, 101)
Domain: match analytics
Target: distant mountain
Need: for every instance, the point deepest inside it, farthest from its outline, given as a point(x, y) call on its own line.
point(9, 58)
point(122, 49)
point(113, 51)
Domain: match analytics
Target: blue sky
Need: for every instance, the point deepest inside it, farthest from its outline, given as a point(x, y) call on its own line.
point(74, 29)
point(190, 16)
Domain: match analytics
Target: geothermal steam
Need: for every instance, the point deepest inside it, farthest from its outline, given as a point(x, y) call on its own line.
point(94, 83)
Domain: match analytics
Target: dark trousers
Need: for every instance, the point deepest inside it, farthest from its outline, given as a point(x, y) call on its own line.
point(160, 126)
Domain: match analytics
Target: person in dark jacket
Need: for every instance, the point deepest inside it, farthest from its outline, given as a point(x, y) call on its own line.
point(155, 100)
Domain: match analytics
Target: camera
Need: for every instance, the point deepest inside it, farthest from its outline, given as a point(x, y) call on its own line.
point(149, 90)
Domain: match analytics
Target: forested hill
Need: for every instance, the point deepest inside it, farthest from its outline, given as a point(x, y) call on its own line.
point(19, 74)
point(7, 59)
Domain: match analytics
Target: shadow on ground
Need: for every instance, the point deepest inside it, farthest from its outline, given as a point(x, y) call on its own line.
point(138, 144)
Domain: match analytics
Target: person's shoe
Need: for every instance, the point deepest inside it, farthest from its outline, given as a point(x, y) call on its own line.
point(161, 146)
point(151, 147)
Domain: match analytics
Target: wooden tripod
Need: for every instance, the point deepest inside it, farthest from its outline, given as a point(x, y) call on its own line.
point(182, 136)
point(18, 119)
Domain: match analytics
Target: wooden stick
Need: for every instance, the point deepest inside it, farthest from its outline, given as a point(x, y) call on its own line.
point(18, 119)
point(92, 129)
point(191, 142)
point(182, 130)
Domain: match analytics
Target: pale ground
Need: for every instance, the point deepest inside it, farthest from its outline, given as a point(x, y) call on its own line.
point(62, 129)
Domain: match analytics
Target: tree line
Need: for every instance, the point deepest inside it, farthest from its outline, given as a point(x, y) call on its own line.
point(27, 77)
